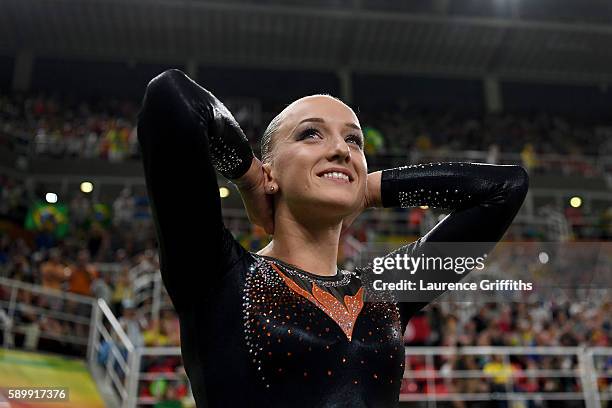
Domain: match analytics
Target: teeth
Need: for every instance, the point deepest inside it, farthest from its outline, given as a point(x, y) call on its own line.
point(336, 175)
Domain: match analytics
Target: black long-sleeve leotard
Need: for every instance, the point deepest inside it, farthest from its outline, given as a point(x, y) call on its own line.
point(254, 330)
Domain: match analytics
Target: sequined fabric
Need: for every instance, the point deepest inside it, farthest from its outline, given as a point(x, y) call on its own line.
point(295, 337)
point(228, 147)
point(344, 314)
point(448, 185)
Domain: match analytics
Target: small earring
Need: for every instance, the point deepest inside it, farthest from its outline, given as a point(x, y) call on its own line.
point(271, 188)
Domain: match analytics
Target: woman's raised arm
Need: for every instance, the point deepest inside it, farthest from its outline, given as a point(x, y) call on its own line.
point(185, 133)
point(484, 199)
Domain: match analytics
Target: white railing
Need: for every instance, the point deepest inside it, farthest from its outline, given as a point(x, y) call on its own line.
point(149, 292)
point(111, 350)
point(600, 368)
point(119, 365)
point(50, 304)
point(115, 360)
point(583, 370)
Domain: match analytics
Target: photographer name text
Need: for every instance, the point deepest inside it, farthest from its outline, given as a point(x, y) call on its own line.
point(485, 284)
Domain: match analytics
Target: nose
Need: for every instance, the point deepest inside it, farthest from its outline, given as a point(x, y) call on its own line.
point(340, 150)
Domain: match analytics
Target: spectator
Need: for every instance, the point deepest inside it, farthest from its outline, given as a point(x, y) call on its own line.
point(101, 287)
point(169, 326)
point(123, 208)
point(123, 291)
point(80, 210)
point(152, 336)
point(82, 274)
point(500, 374)
point(26, 320)
point(528, 157)
point(132, 323)
point(53, 271)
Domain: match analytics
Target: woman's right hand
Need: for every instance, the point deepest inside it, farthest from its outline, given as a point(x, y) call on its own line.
point(258, 204)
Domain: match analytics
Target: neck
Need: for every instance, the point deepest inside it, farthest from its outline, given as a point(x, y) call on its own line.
point(311, 247)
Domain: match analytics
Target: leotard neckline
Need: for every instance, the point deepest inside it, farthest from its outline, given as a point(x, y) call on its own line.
point(338, 276)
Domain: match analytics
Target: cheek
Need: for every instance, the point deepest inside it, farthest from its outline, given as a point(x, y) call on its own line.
point(362, 171)
point(363, 163)
point(295, 168)
point(361, 166)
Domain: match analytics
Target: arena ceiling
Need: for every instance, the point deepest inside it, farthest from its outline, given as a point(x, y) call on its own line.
point(340, 35)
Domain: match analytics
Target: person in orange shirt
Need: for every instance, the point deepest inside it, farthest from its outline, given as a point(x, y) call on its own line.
point(54, 271)
point(82, 274)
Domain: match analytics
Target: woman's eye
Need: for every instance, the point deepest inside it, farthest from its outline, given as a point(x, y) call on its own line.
point(308, 133)
point(355, 139)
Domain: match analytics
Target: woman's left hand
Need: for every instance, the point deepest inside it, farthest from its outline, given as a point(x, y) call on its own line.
point(371, 199)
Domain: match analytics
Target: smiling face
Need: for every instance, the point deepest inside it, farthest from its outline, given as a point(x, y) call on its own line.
point(317, 159)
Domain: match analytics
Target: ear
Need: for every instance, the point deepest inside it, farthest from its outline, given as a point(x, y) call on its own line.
point(269, 178)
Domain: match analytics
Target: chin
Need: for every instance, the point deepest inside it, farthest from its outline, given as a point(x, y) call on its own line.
point(337, 205)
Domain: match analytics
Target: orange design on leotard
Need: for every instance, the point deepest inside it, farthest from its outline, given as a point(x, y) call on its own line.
point(345, 315)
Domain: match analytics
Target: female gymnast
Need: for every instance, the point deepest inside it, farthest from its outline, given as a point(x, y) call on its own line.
point(284, 327)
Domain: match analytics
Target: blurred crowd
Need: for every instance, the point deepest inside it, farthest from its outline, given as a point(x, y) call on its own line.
point(111, 231)
point(121, 284)
point(109, 249)
point(541, 324)
point(544, 323)
point(51, 126)
point(407, 129)
point(54, 315)
point(61, 127)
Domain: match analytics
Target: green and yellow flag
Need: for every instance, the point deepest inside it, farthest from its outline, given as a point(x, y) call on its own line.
point(102, 214)
point(43, 216)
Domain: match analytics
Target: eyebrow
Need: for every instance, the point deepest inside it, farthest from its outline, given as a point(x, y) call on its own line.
point(321, 120)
